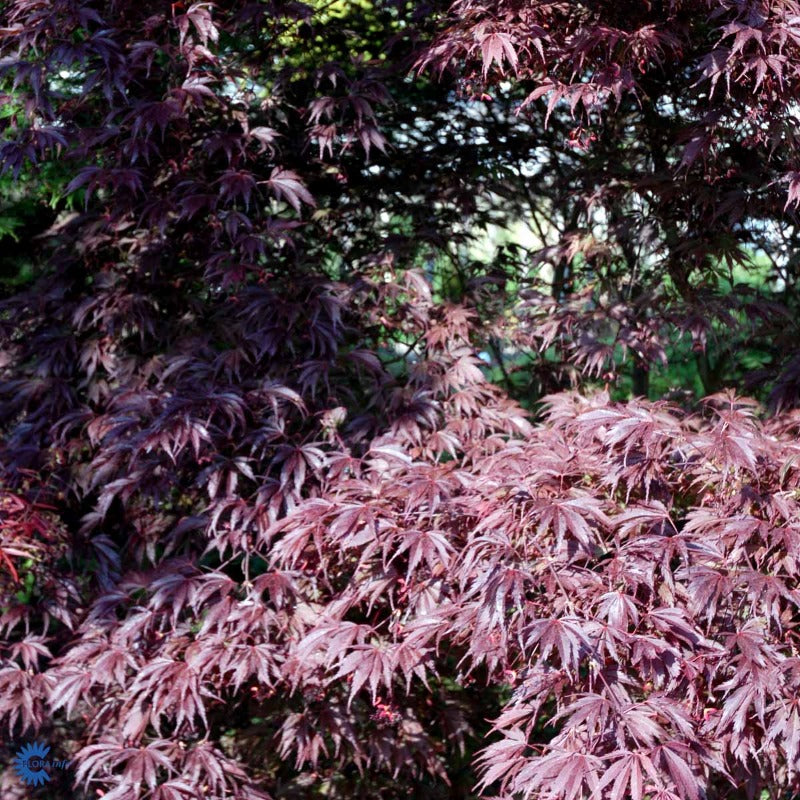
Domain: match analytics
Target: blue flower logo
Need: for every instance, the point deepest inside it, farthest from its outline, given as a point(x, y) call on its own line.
point(29, 763)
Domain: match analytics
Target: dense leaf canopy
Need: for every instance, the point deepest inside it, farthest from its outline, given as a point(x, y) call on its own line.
point(351, 440)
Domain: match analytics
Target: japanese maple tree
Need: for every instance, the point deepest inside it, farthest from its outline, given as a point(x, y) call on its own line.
point(267, 527)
